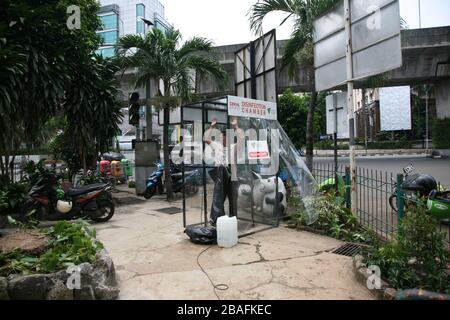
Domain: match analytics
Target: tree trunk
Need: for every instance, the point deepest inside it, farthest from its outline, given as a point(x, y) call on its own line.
point(168, 179)
point(310, 131)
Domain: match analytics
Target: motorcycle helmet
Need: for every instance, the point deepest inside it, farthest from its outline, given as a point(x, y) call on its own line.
point(421, 183)
point(438, 205)
point(64, 206)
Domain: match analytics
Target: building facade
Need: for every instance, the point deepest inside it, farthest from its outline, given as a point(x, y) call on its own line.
point(125, 17)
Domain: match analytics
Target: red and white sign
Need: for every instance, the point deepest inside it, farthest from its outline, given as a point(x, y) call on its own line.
point(249, 108)
point(258, 150)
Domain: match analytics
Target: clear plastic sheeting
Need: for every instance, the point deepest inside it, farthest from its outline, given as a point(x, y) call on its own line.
point(255, 176)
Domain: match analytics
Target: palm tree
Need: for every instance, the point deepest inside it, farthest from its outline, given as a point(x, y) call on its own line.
point(299, 49)
point(160, 56)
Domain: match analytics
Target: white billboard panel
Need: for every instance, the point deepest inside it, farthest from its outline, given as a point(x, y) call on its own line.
point(339, 101)
point(376, 43)
point(395, 108)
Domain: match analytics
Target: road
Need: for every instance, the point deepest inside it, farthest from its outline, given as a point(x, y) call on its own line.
point(438, 168)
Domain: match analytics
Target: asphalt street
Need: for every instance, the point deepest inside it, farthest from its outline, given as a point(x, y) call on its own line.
point(438, 168)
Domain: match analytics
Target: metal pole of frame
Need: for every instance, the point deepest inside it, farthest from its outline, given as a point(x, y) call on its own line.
point(427, 124)
point(350, 98)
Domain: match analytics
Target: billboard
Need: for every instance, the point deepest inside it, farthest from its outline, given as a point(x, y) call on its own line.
point(255, 69)
point(395, 108)
point(337, 101)
point(375, 39)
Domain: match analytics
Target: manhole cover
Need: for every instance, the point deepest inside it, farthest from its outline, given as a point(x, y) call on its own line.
point(348, 250)
point(170, 210)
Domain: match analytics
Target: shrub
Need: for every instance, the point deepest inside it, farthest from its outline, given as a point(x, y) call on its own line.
point(441, 133)
point(331, 218)
point(419, 259)
point(70, 244)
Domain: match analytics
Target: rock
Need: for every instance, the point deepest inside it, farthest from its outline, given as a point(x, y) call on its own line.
point(106, 293)
point(59, 291)
point(28, 242)
point(85, 293)
point(104, 271)
point(390, 294)
point(4, 289)
point(33, 287)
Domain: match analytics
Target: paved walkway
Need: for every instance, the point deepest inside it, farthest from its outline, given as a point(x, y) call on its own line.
point(155, 260)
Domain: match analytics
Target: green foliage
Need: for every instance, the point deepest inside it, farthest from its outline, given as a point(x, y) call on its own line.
point(441, 133)
point(70, 244)
point(333, 219)
point(159, 55)
point(419, 259)
point(13, 197)
point(46, 68)
point(293, 114)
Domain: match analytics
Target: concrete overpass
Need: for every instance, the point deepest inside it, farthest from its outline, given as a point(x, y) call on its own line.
point(426, 60)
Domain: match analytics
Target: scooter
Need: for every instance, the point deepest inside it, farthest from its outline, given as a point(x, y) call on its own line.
point(47, 202)
point(191, 178)
point(423, 189)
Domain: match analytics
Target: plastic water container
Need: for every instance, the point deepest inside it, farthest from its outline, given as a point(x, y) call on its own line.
point(227, 232)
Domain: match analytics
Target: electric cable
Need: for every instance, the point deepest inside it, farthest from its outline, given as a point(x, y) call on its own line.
point(220, 286)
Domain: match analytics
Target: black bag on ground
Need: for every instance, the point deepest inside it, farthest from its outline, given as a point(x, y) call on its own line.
point(201, 235)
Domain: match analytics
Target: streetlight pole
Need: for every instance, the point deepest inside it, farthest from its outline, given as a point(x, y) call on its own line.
point(420, 14)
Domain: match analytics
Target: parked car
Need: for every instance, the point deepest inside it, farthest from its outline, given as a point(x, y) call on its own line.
point(113, 156)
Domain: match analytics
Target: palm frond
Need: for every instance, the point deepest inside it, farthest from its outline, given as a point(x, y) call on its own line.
point(261, 9)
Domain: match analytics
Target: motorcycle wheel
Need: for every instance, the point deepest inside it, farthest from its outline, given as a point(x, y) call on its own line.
point(149, 193)
point(191, 189)
point(393, 203)
point(106, 210)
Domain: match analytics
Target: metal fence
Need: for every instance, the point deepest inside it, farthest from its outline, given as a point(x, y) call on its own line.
point(375, 188)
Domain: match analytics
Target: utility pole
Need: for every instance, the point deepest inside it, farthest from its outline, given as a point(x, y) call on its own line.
point(350, 105)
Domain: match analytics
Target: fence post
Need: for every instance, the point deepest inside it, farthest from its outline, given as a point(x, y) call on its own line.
point(400, 199)
point(348, 197)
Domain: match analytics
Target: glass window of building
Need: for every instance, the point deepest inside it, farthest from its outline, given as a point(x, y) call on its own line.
point(109, 37)
point(109, 22)
point(140, 12)
point(106, 52)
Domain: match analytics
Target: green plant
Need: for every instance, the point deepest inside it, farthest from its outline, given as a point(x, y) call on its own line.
point(332, 219)
point(419, 258)
point(12, 197)
point(160, 55)
point(441, 133)
point(131, 184)
point(70, 244)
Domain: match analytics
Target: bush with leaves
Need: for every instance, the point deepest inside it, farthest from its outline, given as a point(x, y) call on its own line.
point(419, 259)
point(12, 198)
point(70, 244)
point(332, 218)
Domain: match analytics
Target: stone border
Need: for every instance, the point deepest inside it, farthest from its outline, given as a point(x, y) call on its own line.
point(362, 274)
point(98, 282)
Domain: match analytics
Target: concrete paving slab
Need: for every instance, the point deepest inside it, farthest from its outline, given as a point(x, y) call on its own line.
point(155, 260)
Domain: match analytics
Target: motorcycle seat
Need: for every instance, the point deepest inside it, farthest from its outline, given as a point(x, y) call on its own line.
point(179, 175)
point(86, 189)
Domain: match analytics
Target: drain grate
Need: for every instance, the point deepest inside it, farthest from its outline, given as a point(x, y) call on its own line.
point(170, 210)
point(348, 250)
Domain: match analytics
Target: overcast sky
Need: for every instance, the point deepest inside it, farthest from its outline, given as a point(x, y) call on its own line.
point(226, 21)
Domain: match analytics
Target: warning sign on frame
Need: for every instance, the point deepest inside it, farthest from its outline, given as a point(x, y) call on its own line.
point(249, 108)
point(258, 150)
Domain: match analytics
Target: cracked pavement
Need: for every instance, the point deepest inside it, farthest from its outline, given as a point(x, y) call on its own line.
point(154, 260)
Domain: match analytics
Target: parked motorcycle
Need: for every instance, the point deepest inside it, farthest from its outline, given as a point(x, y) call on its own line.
point(422, 189)
point(190, 186)
point(47, 202)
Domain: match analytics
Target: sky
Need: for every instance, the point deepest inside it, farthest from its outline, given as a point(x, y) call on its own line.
point(226, 21)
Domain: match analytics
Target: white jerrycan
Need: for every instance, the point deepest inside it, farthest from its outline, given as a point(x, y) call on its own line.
point(227, 232)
